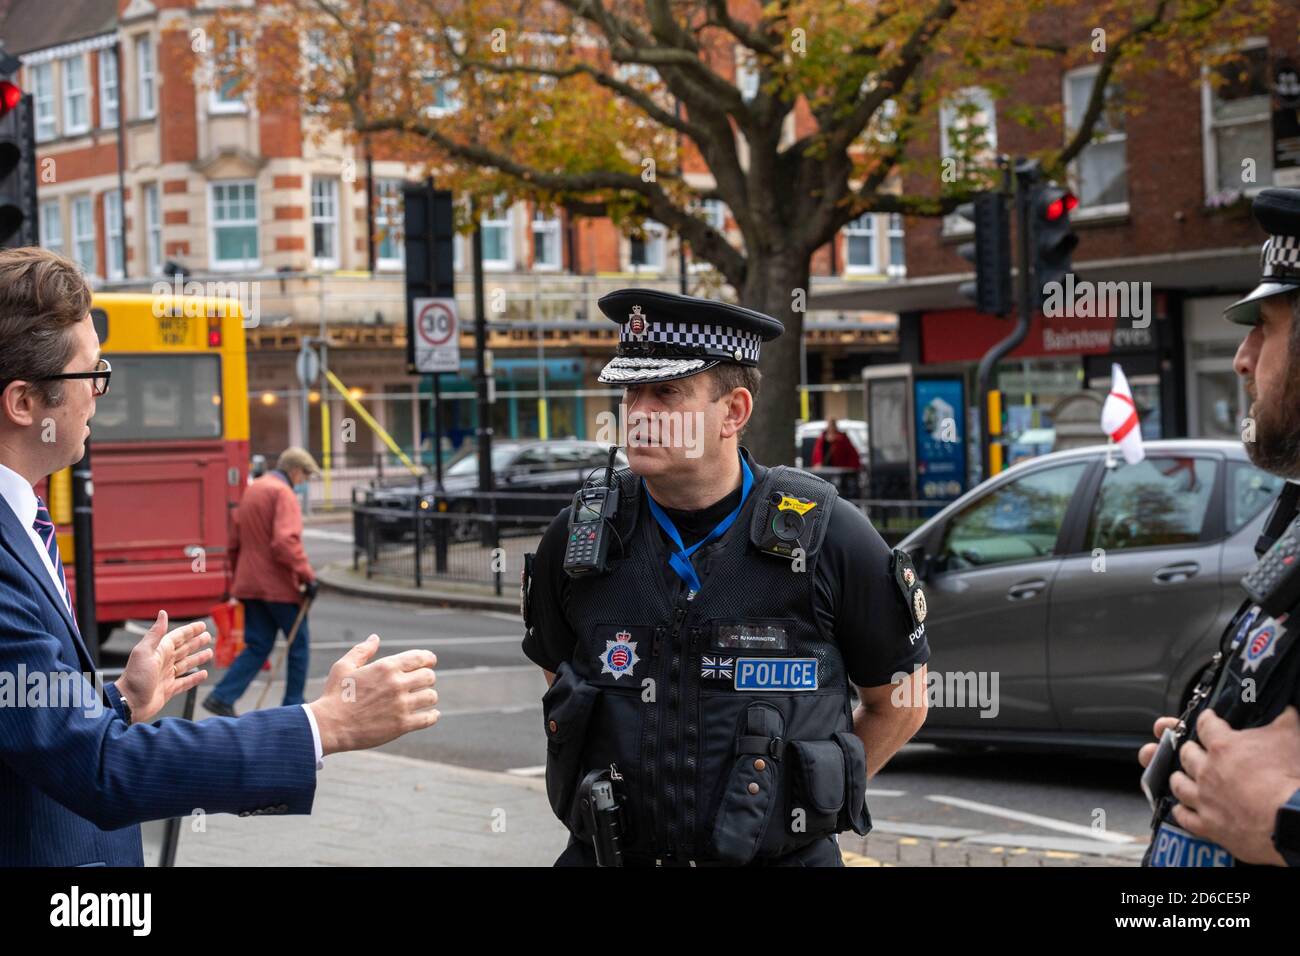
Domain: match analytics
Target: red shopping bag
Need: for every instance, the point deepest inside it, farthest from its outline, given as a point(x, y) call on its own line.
point(228, 616)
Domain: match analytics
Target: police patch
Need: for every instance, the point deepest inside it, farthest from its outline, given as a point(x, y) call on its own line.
point(620, 655)
point(717, 668)
point(909, 584)
point(1260, 645)
point(1174, 846)
point(776, 673)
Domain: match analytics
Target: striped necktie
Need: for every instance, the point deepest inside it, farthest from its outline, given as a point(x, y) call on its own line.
point(44, 528)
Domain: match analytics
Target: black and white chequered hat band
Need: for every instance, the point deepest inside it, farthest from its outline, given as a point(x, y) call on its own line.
point(1280, 257)
point(737, 345)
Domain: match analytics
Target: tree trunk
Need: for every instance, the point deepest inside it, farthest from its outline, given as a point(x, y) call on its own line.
point(770, 288)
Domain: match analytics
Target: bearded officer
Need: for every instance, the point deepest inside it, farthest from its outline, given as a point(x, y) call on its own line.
point(701, 676)
point(1225, 778)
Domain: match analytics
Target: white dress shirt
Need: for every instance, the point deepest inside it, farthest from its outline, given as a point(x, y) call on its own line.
point(21, 498)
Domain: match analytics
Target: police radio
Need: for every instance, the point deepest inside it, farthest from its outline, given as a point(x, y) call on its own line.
point(591, 522)
point(1274, 583)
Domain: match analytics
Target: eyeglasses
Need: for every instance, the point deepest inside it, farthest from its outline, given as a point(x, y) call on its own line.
point(99, 377)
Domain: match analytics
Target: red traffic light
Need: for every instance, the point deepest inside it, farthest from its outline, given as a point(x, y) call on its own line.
point(10, 97)
point(1060, 206)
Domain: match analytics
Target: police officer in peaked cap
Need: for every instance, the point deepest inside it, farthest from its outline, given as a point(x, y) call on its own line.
point(701, 707)
point(1224, 779)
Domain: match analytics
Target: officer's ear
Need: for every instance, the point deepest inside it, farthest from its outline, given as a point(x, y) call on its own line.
point(738, 406)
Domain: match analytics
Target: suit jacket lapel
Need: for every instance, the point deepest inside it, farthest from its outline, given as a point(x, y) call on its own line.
point(15, 537)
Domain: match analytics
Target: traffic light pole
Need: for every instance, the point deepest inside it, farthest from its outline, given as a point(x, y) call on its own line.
point(1027, 174)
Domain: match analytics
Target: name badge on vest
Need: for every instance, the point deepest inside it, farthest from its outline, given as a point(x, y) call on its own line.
point(1176, 847)
point(776, 673)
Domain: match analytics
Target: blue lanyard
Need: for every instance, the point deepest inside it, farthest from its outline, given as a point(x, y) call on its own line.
point(681, 559)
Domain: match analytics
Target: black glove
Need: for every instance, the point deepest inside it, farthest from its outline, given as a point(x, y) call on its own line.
point(308, 589)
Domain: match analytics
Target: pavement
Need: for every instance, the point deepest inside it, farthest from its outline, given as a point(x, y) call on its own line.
point(377, 809)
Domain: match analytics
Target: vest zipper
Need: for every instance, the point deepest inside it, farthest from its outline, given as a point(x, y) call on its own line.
point(672, 777)
point(649, 747)
point(690, 739)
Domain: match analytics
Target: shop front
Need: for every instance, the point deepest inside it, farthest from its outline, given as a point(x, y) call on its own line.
point(1059, 359)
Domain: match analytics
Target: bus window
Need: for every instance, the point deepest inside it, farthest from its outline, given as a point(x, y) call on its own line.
point(160, 398)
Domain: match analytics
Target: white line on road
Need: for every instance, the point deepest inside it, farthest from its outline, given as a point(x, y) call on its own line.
point(528, 771)
point(885, 793)
point(1048, 823)
point(320, 535)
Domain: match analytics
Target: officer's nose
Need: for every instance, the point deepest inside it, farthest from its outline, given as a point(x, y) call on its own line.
point(1244, 362)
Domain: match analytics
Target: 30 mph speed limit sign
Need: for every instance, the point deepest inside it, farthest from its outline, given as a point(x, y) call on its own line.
point(437, 335)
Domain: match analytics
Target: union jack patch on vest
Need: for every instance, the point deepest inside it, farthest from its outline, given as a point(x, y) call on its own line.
point(718, 668)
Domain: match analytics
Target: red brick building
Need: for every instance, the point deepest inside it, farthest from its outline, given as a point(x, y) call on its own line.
point(148, 157)
point(1164, 199)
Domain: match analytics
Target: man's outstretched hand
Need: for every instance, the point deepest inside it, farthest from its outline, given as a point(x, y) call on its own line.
point(158, 668)
point(366, 703)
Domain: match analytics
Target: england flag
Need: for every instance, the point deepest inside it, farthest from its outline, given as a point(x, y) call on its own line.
point(1119, 417)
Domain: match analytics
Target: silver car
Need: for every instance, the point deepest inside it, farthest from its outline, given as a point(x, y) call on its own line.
point(1088, 592)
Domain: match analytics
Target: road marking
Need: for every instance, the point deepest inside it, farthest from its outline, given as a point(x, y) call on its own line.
point(1047, 823)
point(885, 793)
point(857, 859)
point(320, 535)
point(528, 771)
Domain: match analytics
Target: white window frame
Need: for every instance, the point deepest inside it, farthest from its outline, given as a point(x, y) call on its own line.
point(1101, 210)
point(72, 93)
point(146, 77)
point(83, 242)
point(749, 78)
point(216, 102)
point(655, 236)
point(853, 229)
point(391, 215)
point(46, 112)
point(322, 215)
point(1209, 144)
point(953, 224)
point(232, 265)
point(549, 225)
point(152, 228)
point(114, 262)
point(51, 215)
point(895, 228)
point(491, 218)
point(109, 81)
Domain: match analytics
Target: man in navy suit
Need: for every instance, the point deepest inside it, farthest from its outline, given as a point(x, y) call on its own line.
point(82, 766)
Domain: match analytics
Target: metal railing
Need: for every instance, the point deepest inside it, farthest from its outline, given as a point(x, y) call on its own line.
point(419, 538)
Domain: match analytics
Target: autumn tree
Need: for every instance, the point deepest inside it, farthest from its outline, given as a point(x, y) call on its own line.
point(602, 106)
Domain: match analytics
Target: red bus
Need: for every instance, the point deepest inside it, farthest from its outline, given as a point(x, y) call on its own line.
point(169, 457)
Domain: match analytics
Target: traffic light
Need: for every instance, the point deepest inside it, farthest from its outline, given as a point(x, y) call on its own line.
point(430, 253)
point(17, 168)
point(990, 253)
point(1052, 239)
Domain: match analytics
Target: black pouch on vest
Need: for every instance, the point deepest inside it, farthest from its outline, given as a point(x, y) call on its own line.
point(751, 795)
point(830, 785)
point(566, 709)
point(854, 814)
